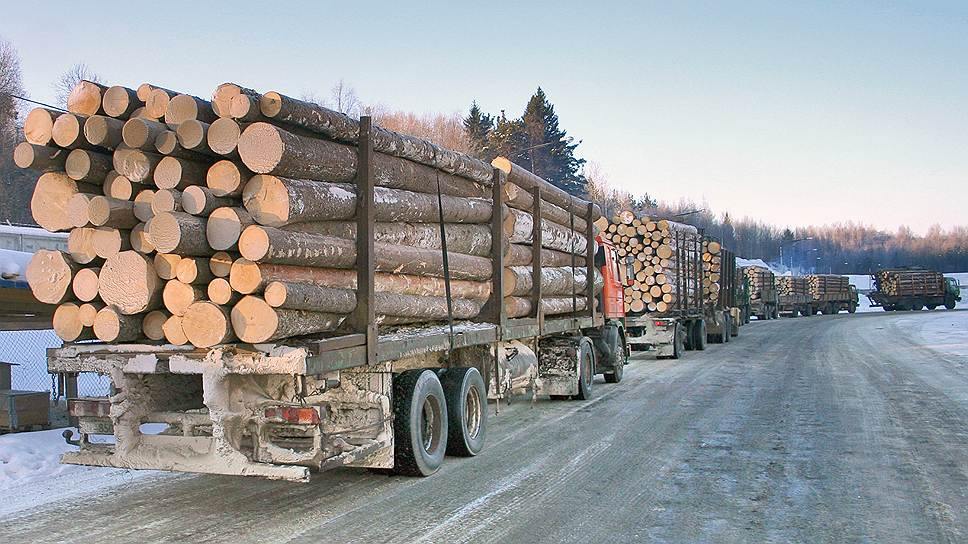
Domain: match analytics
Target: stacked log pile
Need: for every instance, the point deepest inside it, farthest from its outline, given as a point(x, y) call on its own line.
point(824, 286)
point(662, 270)
point(761, 281)
point(211, 221)
point(910, 282)
point(793, 288)
point(712, 263)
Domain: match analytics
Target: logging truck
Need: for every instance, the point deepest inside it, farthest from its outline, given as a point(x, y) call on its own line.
point(723, 315)
point(763, 294)
point(904, 289)
point(831, 293)
point(793, 300)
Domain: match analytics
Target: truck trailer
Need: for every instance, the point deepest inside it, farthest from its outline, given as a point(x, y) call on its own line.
point(793, 298)
point(723, 314)
point(763, 295)
point(905, 289)
point(830, 293)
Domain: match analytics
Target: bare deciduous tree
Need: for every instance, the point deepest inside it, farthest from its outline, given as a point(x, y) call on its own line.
point(344, 100)
point(11, 83)
point(442, 129)
point(66, 82)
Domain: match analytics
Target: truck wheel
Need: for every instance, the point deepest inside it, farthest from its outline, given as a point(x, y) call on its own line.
point(586, 369)
point(679, 342)
point(917, 306)
point(932, 306)
point(699, 341)
point(888, 308)
point(619, 359)
point(795, 312)
point(746, 317)
point(466, 411)
point(949, 304)
point(419, 423)
point(852, 308)
point(727, 329)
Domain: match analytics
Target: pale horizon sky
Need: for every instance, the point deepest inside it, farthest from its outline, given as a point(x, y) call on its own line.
point(791, 113)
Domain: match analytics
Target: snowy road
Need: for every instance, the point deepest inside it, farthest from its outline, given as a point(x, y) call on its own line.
point(819, 429)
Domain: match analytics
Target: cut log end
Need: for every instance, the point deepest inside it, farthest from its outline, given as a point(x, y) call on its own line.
point(49, 274)
point(153, 325)
point(254, 243)
point(67, 130)
point(224, 227)
point(112, 326)
point(120, 101)
point(191, 134)
point(85, 284)
point(128, 281)
point(207, 324)
point(223, 136)
point(39, 124)
point(67, 323)
point(225, 178)
point(261, 147)
point(85, 98)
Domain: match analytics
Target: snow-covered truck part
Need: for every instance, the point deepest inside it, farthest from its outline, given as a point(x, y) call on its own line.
point(831, 293)
point(762, 291)
point(387, 289)
point(793, 298)
point(905, 289)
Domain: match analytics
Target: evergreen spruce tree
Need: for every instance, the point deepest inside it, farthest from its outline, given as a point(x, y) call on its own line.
point(478, 126)
point(508, 139)
point(549, 152)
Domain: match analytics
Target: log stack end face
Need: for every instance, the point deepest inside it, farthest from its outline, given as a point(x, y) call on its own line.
point(261, 147)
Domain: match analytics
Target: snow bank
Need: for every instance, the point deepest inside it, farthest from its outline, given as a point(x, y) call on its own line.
point(13, 264)
point(30, 231)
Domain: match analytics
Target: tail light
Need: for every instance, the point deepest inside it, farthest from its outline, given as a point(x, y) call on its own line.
point(294, 415)
point(660, 322)
point(89, 407)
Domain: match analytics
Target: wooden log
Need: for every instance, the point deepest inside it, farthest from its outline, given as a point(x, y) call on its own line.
point(129, 283)
point(220, 264)
point(193, 135)
point(140, 133)
point(521, 306)
point(167, 144)
point(85, 284)
point(105, 211)
point(248, 277)
point(85, 98)
point(184, 107)
point(178, 232)
point(166, 265)
point(226, 178)
point(194, 270)
point(109, 241)
point(153, 325)
point(461, 238)
point(87, 166)
point(174, 332)
point(67, 323)
point(224, 227)
point(48, 204)
point(49, 274)
point(207, 324)
point(223, 137)
point(68, 132)
point(110, 325)
point(39, 124)
point(558, 280)
point(338, 126)
point(155, 102)
point(225, 93)
point(528, 181)
point(220, 292)
point(254, 321)
point(175, 173)
point(268, 149)
point(518, 198)
point(306, 296)
point(77, 209)
point(178, 296)
point(198, 200)
point(120, 102)
point(87, 312)
point(166, 200)
point(119, 187)
point(134, 164)
point(142, 204)
point(80, 245)
point(246, 108)
point(267, 244)
point(39, 157)
point(140, 241)
point(519, 229)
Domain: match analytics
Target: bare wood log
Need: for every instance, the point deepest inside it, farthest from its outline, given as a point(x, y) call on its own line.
point(85, 98)
point(207, 324)
point(49, 274)
point(248, 277)
point(120, 102)
point(174, 332)
point(140, 133)
point(528, 181)
point(140, 241)
point(220, 264)
point(226, 178)
point(88, 166)
point(134, 164)
point(142, 204)
point(461, 238)
point(105, 211)
point(268, 149)
point(110, 325)
point(193, 135)
point(177, 232)
point(120, 187)
point(184, 107)
point(39, 157)
point(178, 296)
point(281, 247)
point(175, 173)
point(77, 209)
point(225, 93)
point(85, 283)
point(145, 93)
point(519, 228)
point(39, 124)
point(305, 296)
point(67, 323)
point(220, 292)
point(224, 227)
point(167, 144)
point(338, 126)
point(194, 270)
point(80, 245)
point(109, 241)
point(166, 200)
point(128, 282)
point(558, 280)
point(48, 204)
point(166, 265)
point(153, 325)
point(198, 200)
point(68, 132)
point(255, 321)
point(520, 255)
point(246, 108)
point(87, 312)
point(223, 137)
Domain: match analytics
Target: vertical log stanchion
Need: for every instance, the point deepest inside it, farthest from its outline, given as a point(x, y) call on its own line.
point(571, 227)
point(590, 262)
point(494, 309)
point(363, 318)
point(536, 240)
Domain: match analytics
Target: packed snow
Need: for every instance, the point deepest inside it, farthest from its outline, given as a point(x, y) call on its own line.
point(13, 264)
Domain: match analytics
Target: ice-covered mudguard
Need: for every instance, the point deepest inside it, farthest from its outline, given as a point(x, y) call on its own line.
point(644, 331)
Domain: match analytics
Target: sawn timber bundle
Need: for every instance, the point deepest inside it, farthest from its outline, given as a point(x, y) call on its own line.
point(235, 219)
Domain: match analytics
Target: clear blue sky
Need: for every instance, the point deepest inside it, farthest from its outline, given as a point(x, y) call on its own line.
point(791, 112)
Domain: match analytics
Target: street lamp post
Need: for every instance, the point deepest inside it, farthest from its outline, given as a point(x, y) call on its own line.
point(791, 242)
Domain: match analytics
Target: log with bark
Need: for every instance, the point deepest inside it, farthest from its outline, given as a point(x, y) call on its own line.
point(85, 98)
point(39, 157)
point(39, 125)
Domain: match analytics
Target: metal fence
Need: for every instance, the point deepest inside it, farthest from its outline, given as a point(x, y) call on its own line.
point(28, 351)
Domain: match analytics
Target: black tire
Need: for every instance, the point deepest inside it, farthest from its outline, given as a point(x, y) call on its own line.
point(746, 317)
point(619, 360)
point(795, 312)
point(949, 304)
point(699, 342)
point(419, 423)
point(888, 308)
point(466, 398)
point(586, 369)
point(917, 306)
point(852, 308)
point(727, 329)
point(679, 342)
point(932, 306)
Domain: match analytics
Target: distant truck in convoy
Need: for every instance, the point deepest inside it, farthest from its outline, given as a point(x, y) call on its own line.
point(830, 293)
point(763, 295)
point(723, 317)
point(793, 300)
point(903, 289)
